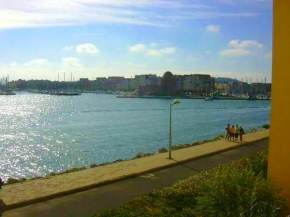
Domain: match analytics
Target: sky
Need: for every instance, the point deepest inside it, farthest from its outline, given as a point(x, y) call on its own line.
point(40, 39)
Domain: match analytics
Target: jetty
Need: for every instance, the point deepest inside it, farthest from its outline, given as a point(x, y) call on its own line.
point(186, 97)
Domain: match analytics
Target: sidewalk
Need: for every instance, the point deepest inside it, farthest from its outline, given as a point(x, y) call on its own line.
point(29, 192)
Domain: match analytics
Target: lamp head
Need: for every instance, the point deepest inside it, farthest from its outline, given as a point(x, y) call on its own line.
point(175, 102)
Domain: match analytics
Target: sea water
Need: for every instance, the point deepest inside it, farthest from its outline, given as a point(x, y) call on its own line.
point(40, 134)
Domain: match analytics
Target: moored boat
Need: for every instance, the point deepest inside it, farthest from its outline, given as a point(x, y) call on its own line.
point(7, 92)
point(209, 99)
point(63, 93)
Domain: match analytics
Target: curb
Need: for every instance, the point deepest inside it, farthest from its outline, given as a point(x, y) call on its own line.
point(89, 187)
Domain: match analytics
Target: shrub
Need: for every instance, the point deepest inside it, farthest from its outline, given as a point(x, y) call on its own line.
point(142, 154)
point(266, 126)
point(258, 163)
point(206, 141)
point(197, 143)
point(176, 147)
point(94, 165)
point(162, 150)
point(230, 192)
point(221, 135)
point(75, 169)
point(235, 189)
point(117, 161)
point(12, 181)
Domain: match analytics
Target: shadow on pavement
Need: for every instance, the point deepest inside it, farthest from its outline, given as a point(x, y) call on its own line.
point(2, 207)
point(183, 165)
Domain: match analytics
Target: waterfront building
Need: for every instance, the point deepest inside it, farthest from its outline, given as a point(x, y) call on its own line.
point(222, 88)
point(148, 80)
point(168, 84)
point(129, 84)
point(101, 83)
point(84, 82)
point(149, 84)
point(115, 82)
point(101, 78)
point(198, 84)
point(188, 83)
point(149, 90)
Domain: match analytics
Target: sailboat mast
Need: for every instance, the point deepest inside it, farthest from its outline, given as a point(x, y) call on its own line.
point(71, 82)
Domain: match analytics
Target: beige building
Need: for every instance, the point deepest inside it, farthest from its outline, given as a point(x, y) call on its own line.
point(198, 83)
point(222, 87)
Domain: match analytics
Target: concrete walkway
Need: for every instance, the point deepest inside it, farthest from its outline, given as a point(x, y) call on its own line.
point(29, 192)
point(89, 202)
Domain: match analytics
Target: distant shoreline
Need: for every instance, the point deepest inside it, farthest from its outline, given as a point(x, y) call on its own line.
point(184, 97)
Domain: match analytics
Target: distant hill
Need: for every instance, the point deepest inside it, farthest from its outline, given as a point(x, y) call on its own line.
point(224, 80)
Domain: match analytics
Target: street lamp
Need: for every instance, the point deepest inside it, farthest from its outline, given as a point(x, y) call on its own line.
point(175, 102)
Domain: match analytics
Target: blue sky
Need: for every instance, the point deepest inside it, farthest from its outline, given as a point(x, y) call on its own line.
point(101, 38)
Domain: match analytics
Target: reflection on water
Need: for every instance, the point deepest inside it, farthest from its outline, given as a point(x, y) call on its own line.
point(41, 133)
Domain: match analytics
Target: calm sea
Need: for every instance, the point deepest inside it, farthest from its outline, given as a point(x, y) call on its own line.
point(41, 133)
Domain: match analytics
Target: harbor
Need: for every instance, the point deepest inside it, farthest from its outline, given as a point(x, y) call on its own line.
point(168, 86)
point(41, 134)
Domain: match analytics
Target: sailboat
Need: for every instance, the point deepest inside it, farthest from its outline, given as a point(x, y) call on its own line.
point(4, 87)
point(68, 92)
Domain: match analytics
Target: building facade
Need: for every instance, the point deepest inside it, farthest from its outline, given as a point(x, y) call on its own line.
point(170, 84)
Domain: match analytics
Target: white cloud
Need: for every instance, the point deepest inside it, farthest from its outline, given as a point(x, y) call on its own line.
point(237, 44)
point(152, 51)
point(137, 48)
point(38, 63)
point(43, 13)
point(247, 3)
point(234, 52)
point(87, 49)
point(68, 48)
point(160, 52)
point(212, 15)
point(242, 48)
point(213, 28)
point(35, 69)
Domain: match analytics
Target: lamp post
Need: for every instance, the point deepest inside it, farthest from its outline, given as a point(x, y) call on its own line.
point(175, 102)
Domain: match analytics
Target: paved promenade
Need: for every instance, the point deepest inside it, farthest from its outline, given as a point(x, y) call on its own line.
point(29, 192)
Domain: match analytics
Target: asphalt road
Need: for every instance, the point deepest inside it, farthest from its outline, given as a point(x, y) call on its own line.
point(89, 202)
